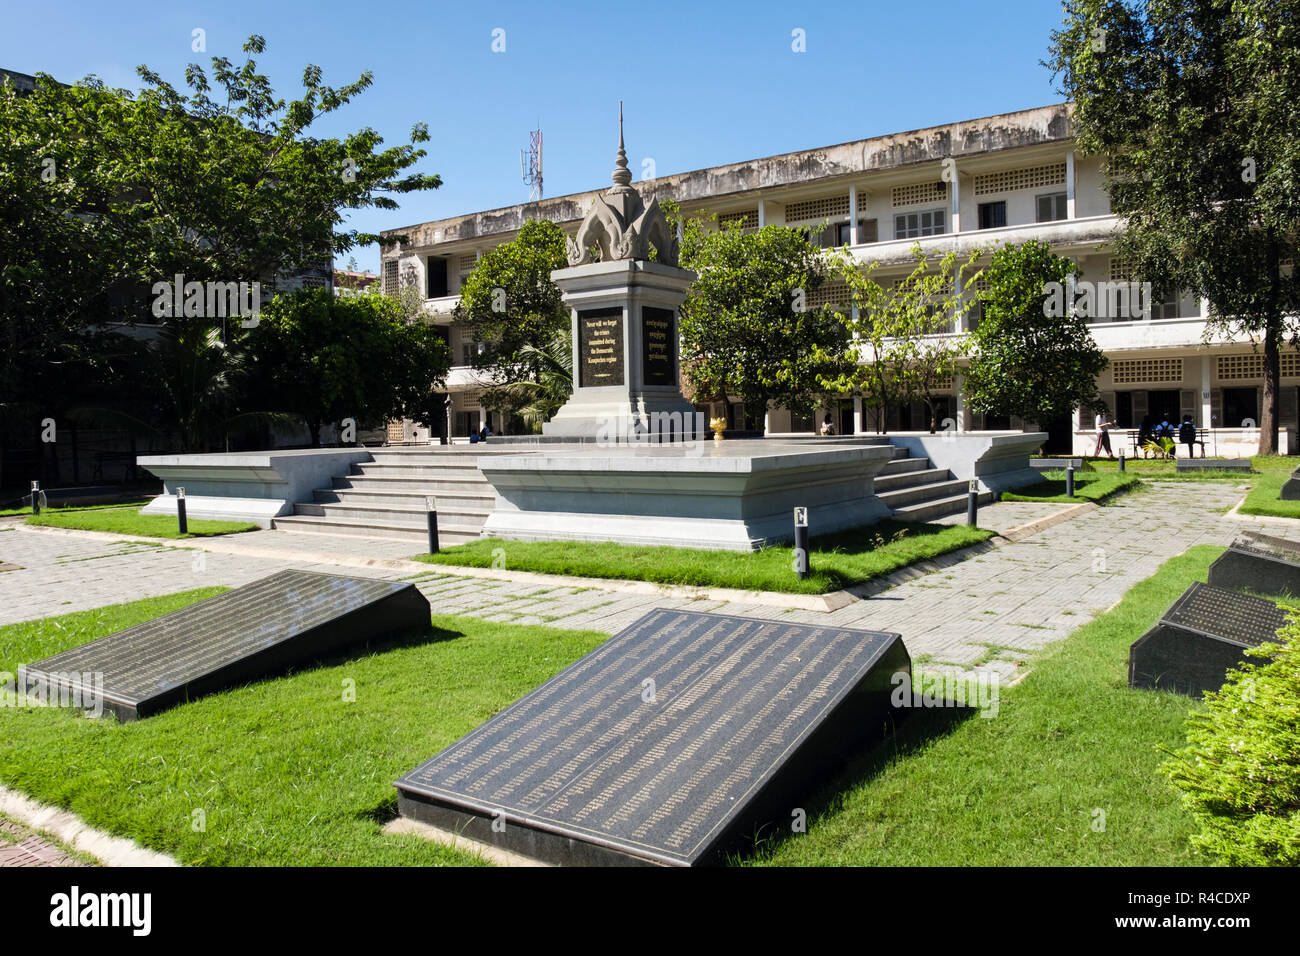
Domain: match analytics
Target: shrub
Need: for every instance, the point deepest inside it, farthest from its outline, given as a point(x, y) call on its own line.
point(1240, 773)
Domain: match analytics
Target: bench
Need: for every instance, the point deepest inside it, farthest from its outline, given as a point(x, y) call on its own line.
point(1145, 453)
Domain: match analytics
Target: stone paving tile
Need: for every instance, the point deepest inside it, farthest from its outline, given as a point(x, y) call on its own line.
point(20, 847)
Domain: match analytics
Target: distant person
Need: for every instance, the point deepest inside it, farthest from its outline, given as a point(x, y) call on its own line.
point(827, 427)
point(485, 432)
point(1187, 435)
point(1165, 429)
point(1145, 433)
point(473, 438)
point(1104, 425)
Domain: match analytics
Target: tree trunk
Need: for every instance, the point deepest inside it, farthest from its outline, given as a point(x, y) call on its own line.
point(1272, 375)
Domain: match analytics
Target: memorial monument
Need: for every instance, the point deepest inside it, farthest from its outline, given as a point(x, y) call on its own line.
point(1203, 635)
point(283, 620)
point(624, 314)
point(672, 744)
point(1258, 562)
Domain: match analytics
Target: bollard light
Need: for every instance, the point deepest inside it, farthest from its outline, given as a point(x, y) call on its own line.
point(972, 502)
point(181, 520)
point(36, 497)
point(431, 507)
point(1121, 459)
point(1069, 481)
point(801, 563)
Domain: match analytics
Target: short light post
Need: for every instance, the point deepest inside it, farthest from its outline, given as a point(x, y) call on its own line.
point(181, 520)
point(1069, 481)
point(973, 502)
point(36, 497)
point(431, 507)
point(801, 543)
point(1121, 459)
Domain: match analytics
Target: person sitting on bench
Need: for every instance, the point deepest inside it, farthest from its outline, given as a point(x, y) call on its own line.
point(1187, 436)
point(1144, 435)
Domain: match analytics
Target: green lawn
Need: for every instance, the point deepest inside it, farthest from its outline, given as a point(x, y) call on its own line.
point(1095, 486)
point(130, 521)
point(1262, 498)
point(1023, 788)
point(285, 771)
point(134, 503)
point(1165, 470)
point(836, 560)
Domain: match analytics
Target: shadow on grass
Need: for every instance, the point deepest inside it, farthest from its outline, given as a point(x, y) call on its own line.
point(913, 732)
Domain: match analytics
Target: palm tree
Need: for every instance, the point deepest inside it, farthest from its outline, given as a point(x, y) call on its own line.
point(538, 399)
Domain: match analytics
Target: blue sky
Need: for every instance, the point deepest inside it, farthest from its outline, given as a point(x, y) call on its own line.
point(702, 83)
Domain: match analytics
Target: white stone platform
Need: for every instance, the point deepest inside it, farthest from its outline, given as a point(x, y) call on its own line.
point(732, 495)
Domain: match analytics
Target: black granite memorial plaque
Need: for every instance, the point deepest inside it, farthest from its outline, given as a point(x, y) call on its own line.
point(658, 346)
point(1200, 638)
point(1260, 563)
point(288, 618)
point(1291, 488)
point(674, 741)
point(1212, 464)
point(600, 347)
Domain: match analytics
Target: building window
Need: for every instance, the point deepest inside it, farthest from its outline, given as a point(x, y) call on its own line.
point(1166, 307)
point(912, 224)
point(390, 276)
point(1051, 207)
point(993, 215)
point(866, 232)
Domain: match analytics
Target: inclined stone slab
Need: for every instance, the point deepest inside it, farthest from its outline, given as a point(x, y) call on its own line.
point(1258, 562)
point(671, 744)
point(288, 618)
point(1200, 638)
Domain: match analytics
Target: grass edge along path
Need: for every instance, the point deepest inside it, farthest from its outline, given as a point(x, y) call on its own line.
point(837, 560)
point(286, 771)
point(1094, 486)
point(1066, 773)
point(130, 521)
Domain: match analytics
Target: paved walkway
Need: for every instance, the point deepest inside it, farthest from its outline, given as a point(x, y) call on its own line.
point(991, 610)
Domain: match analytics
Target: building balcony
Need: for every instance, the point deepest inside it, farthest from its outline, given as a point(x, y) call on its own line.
point(1064, 235)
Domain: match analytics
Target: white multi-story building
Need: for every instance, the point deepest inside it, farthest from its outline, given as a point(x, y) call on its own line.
point(963, 186)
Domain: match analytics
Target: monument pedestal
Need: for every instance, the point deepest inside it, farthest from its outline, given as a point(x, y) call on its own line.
point(625, 375)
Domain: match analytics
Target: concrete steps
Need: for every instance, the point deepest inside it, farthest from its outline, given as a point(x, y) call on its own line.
point(914, 491)
point(386, 498)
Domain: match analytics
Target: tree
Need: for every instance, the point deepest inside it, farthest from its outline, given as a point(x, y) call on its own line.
point(1191, 103)
point(513, 309)
point(746, 326)
point(328, 358)
point(904, 335)
point(104, 193)
point(538, 400)
point(1030, 359)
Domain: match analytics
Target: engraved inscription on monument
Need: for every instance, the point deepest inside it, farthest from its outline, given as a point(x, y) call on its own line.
point(1202, 635)
point(600, 347)
point(658, 347)
point(670, 744)
point(288, 618)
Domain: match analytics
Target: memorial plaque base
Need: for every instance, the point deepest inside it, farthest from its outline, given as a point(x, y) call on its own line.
point(679, 740)
point(1213, 464)
point(1260, 563)
point(286, 619)
point(1203, 635)
point(1291, 489)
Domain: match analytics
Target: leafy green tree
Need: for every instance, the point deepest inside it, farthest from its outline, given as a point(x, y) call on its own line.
point(1240, 773)
point(537, 401)
point(747, 328)
point(904, 335)
point(1027, 362)
point(104, 193)
point(328, 358)
point(1192, 105)
point(513, 309)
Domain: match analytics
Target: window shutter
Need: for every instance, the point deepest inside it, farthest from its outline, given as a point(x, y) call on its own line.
point(1044, 208)
point(1287, 411)
point(868, 230)
point(1216, 407)
point(1187, 402)
point(1140, 410)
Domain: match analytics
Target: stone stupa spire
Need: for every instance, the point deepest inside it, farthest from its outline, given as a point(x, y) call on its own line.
point(621, 175)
